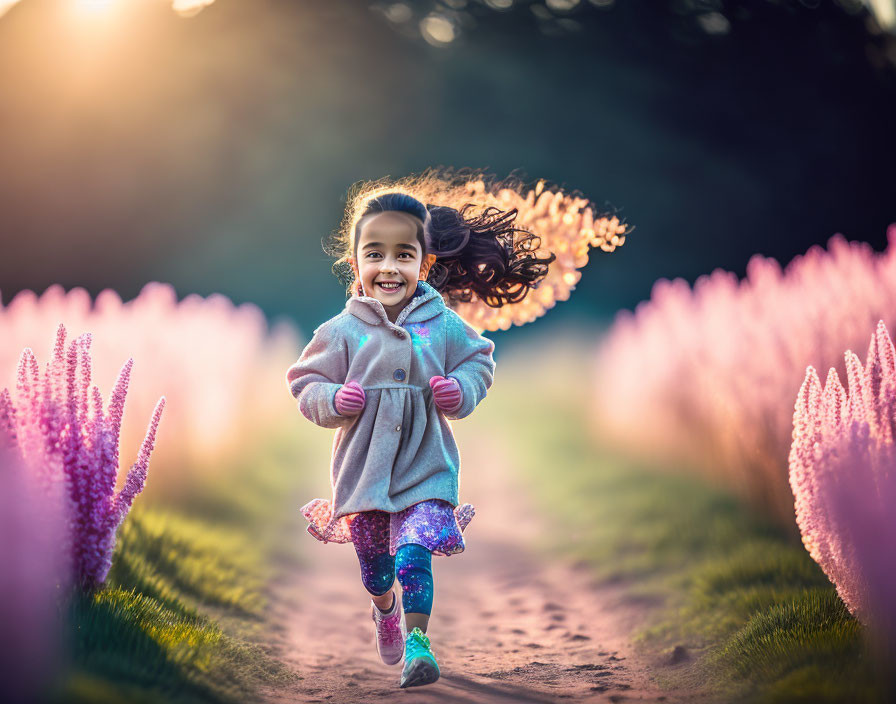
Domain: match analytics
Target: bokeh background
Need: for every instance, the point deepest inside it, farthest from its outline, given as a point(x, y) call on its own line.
point(211, 144)
point(199, 153)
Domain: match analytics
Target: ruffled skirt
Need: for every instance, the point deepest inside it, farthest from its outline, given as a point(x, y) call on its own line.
point(433, 523)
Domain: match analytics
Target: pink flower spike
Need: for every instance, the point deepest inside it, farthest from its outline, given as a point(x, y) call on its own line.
point(116, 405)
point(57, 365)
point(85, 371)
point(886, 354)
point(137, 475)
point(845, 489)
point(859, 403)
point(7, 419)
point(833, 400)
point(27, 378)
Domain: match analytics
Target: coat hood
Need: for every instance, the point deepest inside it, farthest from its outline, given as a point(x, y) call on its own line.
point(425, 304)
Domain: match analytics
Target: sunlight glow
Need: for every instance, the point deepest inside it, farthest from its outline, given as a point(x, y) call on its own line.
point(190, 8)
point(94, 5)
point(883, 10)
point(6, 5)
point(184, 8)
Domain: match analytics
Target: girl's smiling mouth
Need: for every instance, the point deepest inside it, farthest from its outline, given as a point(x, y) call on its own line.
point(392, 286)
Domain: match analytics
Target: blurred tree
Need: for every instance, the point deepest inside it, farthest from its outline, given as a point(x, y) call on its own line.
point(215, 152)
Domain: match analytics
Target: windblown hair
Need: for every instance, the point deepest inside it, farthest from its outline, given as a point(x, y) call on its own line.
point(483, 254)
point(480, 252)
point(506, 250)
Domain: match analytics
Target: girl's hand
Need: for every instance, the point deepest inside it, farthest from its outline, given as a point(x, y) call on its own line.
point(446, 393)
point(350, 399)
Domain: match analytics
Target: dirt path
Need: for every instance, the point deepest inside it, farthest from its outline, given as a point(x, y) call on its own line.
point(505, 627)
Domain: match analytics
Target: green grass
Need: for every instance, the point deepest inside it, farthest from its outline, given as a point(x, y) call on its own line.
point(184, 563)
point(758, 618)
point(131, 647)
point(181, 617)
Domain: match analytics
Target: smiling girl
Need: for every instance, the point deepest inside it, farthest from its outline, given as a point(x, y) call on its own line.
point(388, 373)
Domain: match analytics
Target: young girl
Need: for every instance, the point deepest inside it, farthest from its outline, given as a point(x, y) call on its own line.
point(388, 373)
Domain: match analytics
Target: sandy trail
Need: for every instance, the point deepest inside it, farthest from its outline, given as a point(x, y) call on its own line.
point(505, 626)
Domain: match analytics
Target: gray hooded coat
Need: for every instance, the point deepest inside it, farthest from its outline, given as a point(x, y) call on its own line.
point(400, 449)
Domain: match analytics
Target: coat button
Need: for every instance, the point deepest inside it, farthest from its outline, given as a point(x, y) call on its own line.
point(397, 427)
point(399, 333)
point(399, 374)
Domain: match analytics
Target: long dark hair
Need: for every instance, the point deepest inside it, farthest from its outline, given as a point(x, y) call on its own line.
point(483, 254)
point(479, 251)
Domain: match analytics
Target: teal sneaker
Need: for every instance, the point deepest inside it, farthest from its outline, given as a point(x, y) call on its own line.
point(420, 666)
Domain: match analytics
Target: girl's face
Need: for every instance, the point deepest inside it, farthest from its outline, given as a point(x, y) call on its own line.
point(388, 252)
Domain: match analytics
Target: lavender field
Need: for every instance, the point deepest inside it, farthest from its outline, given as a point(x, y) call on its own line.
point(674, 496)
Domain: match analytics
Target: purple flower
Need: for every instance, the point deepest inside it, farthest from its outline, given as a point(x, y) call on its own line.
point(59, 427)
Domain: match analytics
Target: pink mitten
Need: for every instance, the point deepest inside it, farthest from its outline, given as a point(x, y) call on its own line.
point(446, 393)
point(350, 399)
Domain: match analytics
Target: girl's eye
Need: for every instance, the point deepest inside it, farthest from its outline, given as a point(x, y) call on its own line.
point(377, 253)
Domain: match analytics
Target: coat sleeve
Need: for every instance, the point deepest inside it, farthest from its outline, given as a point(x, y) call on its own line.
point(469, 360)
point(317, 375)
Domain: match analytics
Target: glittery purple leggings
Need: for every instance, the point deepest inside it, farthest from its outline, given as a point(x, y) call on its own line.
point(412, 564)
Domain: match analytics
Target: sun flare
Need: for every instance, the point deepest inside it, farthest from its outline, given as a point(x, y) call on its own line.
point(94, 6)
point(189, 8)
point(6, 5)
